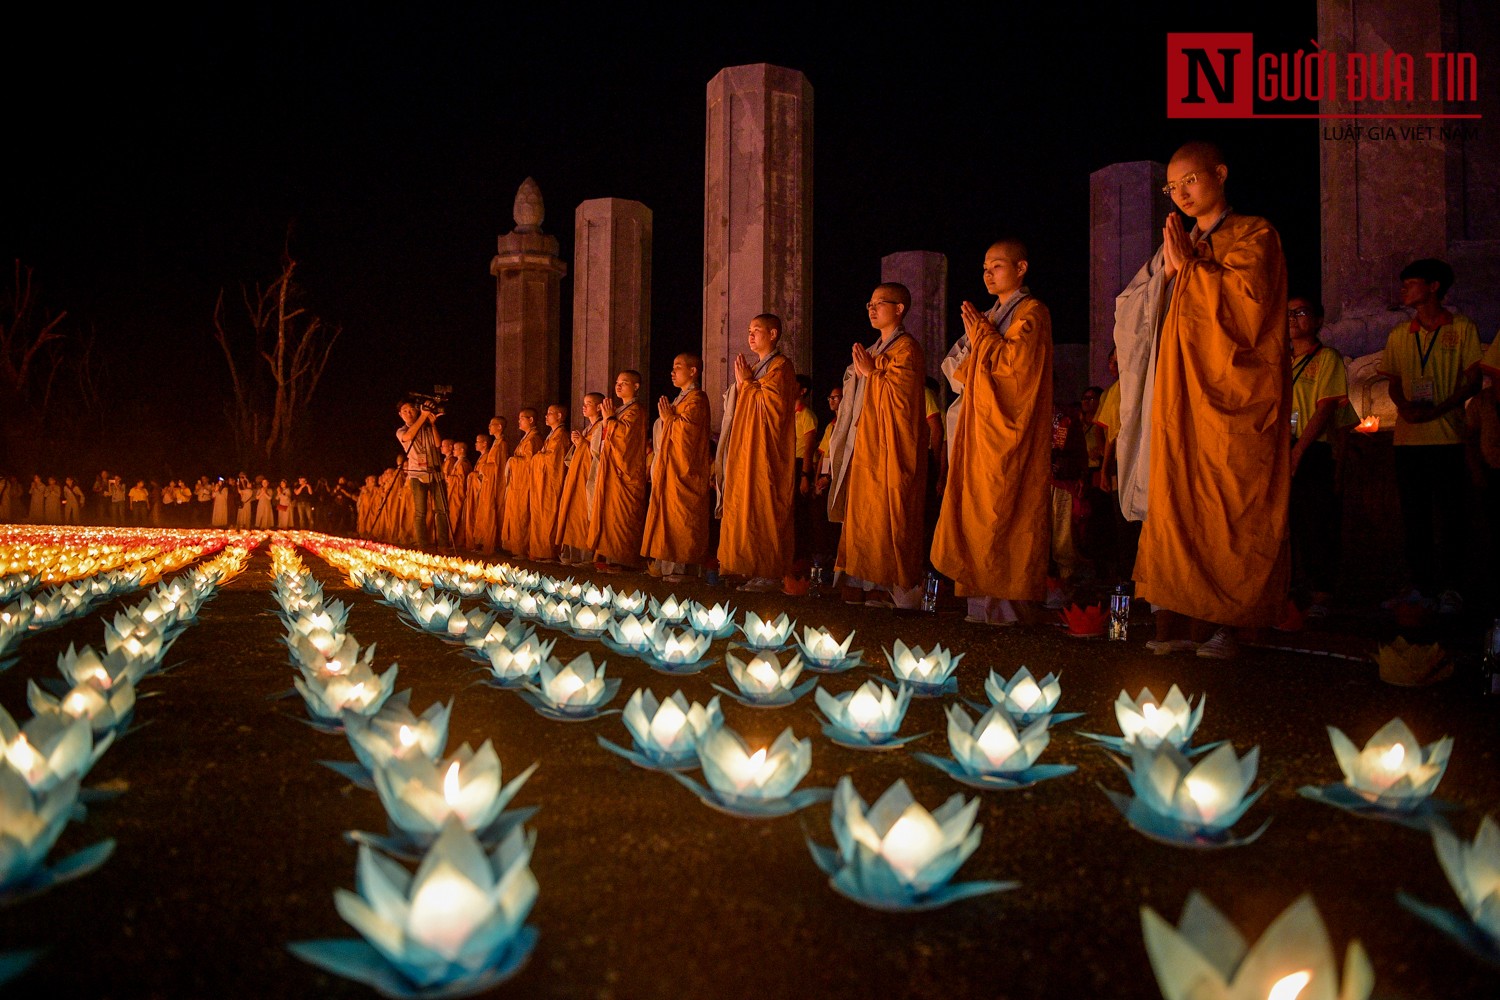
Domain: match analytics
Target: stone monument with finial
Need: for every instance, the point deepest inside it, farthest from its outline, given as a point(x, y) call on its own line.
point(528, 308)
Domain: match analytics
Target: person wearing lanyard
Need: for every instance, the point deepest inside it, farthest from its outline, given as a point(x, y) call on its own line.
point(1432, 362)
point(1320, 386)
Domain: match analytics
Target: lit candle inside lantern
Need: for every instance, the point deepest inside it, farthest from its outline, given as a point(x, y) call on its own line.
point(1026, 694)
point(443, 912)
point(910, 843)
point(998, 743)
point(565, 685)
point(748, 772)
point(450, 786)
point(668, 723)
point(1290, 987)
point(632, 631)
point(76, 704)
point(24, 758)
point(764, 675)
point(1369, 425)
point(407, 737)
point(865, 710)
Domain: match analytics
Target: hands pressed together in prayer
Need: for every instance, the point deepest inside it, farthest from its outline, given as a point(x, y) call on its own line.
point(1177, 248)
point(864, 363)
point(742, 371)
point(975, 323)
point(666, 409)
point(577, 438)
point(608, 406)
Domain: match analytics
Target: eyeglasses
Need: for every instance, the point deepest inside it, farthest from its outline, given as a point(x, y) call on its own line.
point(1170, 188)
point(874, 304)
point(1297, 313)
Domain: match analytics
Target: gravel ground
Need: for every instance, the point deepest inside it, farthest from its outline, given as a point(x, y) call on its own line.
point(230, 835)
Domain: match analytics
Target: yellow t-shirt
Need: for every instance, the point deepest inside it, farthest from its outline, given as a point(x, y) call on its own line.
point(806, 424)
point(1318, 375)
point(1108, 414)
point(1451, 351)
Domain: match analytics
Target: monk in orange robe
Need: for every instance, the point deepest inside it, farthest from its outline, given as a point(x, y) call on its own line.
point(755, 467)
point(1204, 446)
point(879, 459)
point(547, 469)
point(677, 516)
point(456, 476)
point(474, 488)
point(994, 531)
point(513, 533)
point(619, 513)
point(571, 532)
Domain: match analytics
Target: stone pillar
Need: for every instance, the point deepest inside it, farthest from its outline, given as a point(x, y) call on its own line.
point(611, 295)
point(757, 215)
point(1388, 201)
point(1126, 213)
point(528, 307)
point(926, 274)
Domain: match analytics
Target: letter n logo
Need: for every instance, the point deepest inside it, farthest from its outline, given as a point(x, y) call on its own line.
point(1209, 75)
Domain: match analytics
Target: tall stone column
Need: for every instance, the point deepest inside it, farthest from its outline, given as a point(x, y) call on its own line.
point(757, 215)
point(925, 274)
point(528, 309)
point(1387, 199)
point(1126, 212)
point(611, 295)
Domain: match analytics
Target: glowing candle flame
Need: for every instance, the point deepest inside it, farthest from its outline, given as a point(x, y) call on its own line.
point(75, 704)
point(407, 737)
point(864, 709)
point(22, 757)
point(333, 666)
point(1203, 794)
point(997, 743)
point(450, 786)
point(1290, 987)
point(762, 673)
point(1026, 694)
point(1392, 758)
point(566, 685)
point(908, 845)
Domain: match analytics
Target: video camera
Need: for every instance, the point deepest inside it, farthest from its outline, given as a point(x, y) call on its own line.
point(434, 401)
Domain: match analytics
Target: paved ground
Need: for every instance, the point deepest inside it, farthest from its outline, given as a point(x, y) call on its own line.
point(230, 834)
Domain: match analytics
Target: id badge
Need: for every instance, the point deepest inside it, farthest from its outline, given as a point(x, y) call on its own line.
point(1421, 390)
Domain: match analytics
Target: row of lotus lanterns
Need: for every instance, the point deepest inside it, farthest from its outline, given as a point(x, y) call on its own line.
point(76, 717)
point(1185, 795)
point(456, 926)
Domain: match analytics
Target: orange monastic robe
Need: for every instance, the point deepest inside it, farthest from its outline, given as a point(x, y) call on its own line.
point(677, 518)
point(757, 474)
point(619, 515)
point(885, 483)
point(518, 494)
point(572, 527)
point(993, 535)
point(455, 486)
point(547, 470)
point(1215, 543)
point(487, 512)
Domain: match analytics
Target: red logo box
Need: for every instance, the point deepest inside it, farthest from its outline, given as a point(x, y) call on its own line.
point(1210, 75)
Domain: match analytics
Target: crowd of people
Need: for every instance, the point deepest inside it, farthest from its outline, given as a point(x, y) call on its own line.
point(241, 502)
point(1203, 479)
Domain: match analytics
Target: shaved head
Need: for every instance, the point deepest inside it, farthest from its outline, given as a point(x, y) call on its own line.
point(594, 397)
point(1199, 154)
point(1014, 250)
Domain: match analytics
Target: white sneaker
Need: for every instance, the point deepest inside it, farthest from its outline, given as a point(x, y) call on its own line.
point(1165, 647)
point(1220, 646)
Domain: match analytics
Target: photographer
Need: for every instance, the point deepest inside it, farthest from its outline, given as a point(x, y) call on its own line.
point(420, 440)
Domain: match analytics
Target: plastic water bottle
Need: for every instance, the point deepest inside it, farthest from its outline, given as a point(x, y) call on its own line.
point(1489, 664)
point(815, 578)
point(1119, 614)
point(930, 592)
point(1296, 422)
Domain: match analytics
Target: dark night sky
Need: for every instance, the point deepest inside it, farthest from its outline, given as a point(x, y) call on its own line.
point(154, 160)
